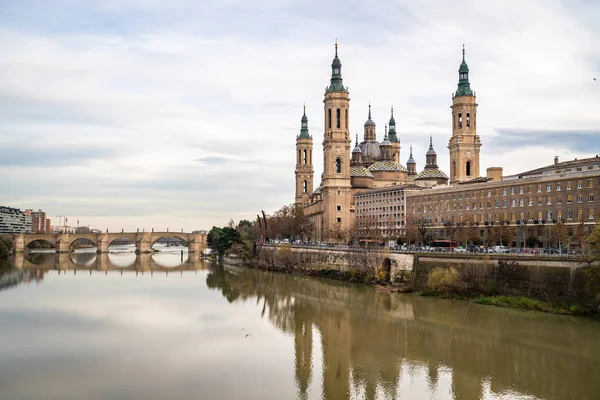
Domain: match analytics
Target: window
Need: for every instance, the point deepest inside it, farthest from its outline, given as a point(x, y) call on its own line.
point(568, 185)
point(558, 187)
point(512, 190)
point(530, 202)
point(521, 201)
point(338, 167)
point(503, 203)
point(569, 214)
point(338, 118)
point(304, 187)
point(468, 168)
point(558, 200)
point(329, 118)
point(339, 207)
point(459, 121)
point(304, 156)
point(590, 183)
point(559, 215)
point(579, 185)
point(591, 198)
point(579, 198)
point(468, 120)
point(539, 188)
point(504, 192)
point(569, 199)
point(539, 201)
point(489, 193)
point(549, 201)
point(346, 118)
point(521, 190)
point(548, 187)
point(591, 213)
point(339, 220)
point(514, 203)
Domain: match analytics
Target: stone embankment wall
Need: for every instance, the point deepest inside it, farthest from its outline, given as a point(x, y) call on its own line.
point(560, 279)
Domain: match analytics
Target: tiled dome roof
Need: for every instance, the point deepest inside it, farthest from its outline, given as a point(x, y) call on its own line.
point(360, 171)
point(431, 173)
point(386, 166)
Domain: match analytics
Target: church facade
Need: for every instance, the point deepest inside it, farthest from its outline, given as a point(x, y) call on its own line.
point(371, 164)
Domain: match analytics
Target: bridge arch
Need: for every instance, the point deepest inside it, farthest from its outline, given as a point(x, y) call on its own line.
point(123, 237)
point(168, 235)
point(38, 243)
point(83, 240)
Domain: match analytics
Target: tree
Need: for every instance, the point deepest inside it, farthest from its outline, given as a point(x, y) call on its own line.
point(581, 234)
point(412, 233)
point(5, 248)
point(559, 234)
point(423, 228)
point(531, 241)
point(221, 239)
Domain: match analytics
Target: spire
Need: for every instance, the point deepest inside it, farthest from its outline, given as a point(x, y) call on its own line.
point(356, 147)
point(464, 87)
point(336, 73)
point(356, 140)
point(430, 152)
point(369, 120)
point(411, 160)
point(392, 136)
point(304, 126)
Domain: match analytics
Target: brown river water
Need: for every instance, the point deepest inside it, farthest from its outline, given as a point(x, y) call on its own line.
point(127, 327)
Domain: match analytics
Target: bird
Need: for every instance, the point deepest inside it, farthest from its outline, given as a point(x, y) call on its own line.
point(594, 79)
point(248, 334)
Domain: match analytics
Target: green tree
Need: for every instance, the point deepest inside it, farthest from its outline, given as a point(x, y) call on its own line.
point(5, 248)
point(221, 239)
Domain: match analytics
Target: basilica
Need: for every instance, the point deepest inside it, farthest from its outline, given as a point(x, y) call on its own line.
point(371, 163)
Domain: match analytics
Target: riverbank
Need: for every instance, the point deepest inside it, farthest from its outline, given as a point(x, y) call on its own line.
point(557, 286)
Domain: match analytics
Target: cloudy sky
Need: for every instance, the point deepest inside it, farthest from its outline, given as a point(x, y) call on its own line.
point(183, 114)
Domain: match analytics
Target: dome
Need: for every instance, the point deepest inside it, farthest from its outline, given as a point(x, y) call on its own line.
point(385, 143)
point(386, 166)
point(370, 149)
point(431, 152)
point(431, 174)
point(369, 122)
point(360, 171)
point(356, 150)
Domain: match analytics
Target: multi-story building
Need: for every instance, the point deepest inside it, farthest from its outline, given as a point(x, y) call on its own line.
point(14, 221)
point(532, 201)
point(381, 213)
point(39, 221)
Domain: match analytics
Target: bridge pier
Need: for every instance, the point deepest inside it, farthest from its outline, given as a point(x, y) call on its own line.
point(143, 243)
point(102, 243)
point(19, 243)
point(63, 245)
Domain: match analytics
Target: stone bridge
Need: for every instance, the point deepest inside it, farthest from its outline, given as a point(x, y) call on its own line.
point(102, 262)
point(63, 242)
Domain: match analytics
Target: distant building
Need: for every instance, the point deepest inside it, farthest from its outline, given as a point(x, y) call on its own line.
point(39, 221)
point(14, 221)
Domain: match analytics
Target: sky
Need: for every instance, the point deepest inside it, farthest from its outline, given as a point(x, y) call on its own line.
point(127, 114)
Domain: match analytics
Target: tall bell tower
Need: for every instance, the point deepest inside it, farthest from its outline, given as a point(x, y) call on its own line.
point(464, 144)
point(304, 168)
point(336, 186)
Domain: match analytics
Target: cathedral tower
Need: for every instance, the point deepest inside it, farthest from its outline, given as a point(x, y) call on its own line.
point(304, 168)
point(393, 137)
point(465, 143)
point(411, 165)
point(336, 185)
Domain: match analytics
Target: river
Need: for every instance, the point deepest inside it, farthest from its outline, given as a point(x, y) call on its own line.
point(121, 326)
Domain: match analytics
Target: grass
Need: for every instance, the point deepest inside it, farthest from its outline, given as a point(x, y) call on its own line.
point(526, 303)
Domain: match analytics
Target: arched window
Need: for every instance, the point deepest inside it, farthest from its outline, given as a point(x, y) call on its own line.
point(468, 168)
point(459, 121)
point(299, 156)
point(329, 118)
point(305, 187)
point(338, 118)
point(453, 168)
point(338, 166)
point(454, 121)
point(468, 120)
point(304, 157)
point(346, 119)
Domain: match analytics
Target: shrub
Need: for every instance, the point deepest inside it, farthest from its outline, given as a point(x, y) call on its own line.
point(444, 281)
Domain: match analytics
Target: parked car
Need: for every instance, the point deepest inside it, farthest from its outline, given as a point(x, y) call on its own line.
point(500, 249)
point(515, 250)
point(460, 250)
point(550, 251)
point(530, 251)
point(474, 249)
point(565, 252)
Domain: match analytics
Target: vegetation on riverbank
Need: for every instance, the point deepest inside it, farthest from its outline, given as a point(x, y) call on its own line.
point(5, 248)
point(526, 303)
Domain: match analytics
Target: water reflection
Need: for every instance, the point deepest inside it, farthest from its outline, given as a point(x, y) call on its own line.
point(377, 345)
point(154, 335)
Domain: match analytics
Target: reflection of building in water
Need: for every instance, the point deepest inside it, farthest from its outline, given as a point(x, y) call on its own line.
point(372, 340)
point(13, 277)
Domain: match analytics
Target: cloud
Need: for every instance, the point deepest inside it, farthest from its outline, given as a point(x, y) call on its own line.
point(115, 110)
